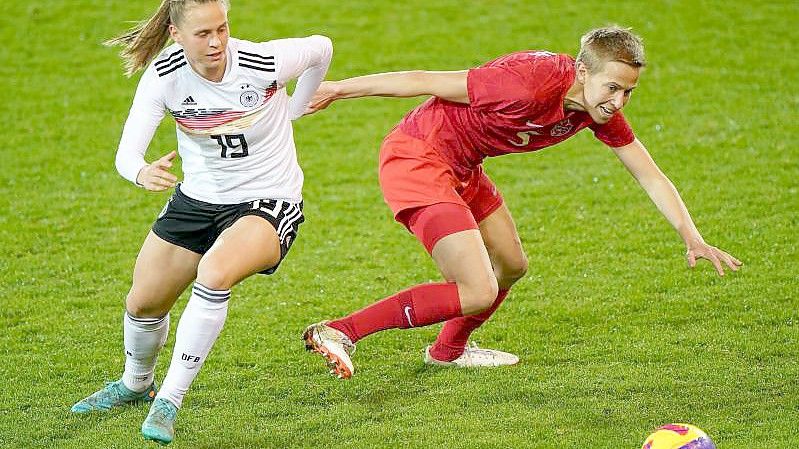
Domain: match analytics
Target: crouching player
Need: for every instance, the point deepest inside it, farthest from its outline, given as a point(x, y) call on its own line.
point(432, 178)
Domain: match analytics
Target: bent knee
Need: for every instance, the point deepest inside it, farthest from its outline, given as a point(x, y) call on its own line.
point(478, 296)
point(141, 306)
point(214, 276)
point(509, 273)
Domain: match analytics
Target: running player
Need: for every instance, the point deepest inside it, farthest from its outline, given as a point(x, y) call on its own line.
point(432, 179)
point(238, 210)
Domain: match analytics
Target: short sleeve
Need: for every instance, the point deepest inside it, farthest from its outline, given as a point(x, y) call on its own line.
point(519, 83)
point(497, 88)
point(615, 133)
point(295, 55)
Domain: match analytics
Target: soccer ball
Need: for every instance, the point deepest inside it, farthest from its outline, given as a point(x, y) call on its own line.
point(678, 436)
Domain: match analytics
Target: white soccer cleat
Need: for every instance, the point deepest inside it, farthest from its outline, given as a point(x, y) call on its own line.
point(333, 345)
point(475, 357)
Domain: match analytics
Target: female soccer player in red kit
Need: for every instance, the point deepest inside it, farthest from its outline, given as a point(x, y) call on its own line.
point(432, 179)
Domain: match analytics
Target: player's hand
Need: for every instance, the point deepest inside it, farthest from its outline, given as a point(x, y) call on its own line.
point(156, 176)
point(326, 94)
point(701, 250)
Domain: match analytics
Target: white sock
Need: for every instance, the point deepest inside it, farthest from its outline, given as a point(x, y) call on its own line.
point(198, 329)
point(144, 338)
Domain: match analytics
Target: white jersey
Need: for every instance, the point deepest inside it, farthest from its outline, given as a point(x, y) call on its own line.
point(234, 136)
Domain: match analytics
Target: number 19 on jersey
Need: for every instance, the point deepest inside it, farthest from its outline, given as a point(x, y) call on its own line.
point(233, 145)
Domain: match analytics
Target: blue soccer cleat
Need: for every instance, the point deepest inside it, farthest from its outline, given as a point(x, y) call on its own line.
point(159, 426)
point(113, 394)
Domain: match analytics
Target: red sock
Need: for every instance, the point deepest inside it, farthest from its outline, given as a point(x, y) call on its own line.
point(417, 306)
point(452, 339)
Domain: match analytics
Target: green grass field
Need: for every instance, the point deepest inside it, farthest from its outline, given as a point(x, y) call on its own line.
point(616, 335)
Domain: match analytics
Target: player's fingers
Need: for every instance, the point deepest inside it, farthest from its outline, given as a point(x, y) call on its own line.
point(728, 256)
point(716, 263)
point(161, 184)
point(166, 160)
point(728, 260)
point(165, 175)
point(156, 174)
point(691, 259)
point(162, 164)
point(736, 261)
point(153, 187)
point(156, 179)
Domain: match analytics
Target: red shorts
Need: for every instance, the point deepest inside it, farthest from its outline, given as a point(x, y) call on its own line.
point(413, 174)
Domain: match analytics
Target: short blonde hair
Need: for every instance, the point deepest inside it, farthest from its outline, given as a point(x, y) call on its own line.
point(144, 41)
point(611, 43)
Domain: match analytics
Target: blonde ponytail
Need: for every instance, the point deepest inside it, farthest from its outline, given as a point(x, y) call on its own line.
point(144, 41)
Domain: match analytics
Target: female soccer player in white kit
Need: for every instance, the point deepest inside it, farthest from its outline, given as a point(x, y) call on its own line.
point(238, 209)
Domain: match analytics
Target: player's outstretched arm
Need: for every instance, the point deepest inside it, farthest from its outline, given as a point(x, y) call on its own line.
point(665, 196)
point(156, 176)
point(445, 85)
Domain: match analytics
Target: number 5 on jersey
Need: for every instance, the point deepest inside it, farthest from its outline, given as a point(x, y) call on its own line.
point(233, 145)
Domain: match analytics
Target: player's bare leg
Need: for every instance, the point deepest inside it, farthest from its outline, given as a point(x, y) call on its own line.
point(471, 285)
point(509, 264)
point(462, 258)
point(504, 247)
point(162, 272)
point(247, 247)
point(250, 245)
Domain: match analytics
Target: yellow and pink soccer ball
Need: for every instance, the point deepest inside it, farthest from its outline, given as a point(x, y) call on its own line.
point(678, 436)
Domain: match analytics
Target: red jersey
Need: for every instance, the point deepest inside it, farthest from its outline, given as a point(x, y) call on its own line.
point(516, 106)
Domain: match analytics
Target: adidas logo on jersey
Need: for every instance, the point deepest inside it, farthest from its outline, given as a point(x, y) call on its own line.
point(189, 101)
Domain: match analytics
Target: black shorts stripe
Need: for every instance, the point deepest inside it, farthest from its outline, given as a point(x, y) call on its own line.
point(292, 215)
point(263, 69)
point(289, 215)
point(255, 55)
point(175, 67)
